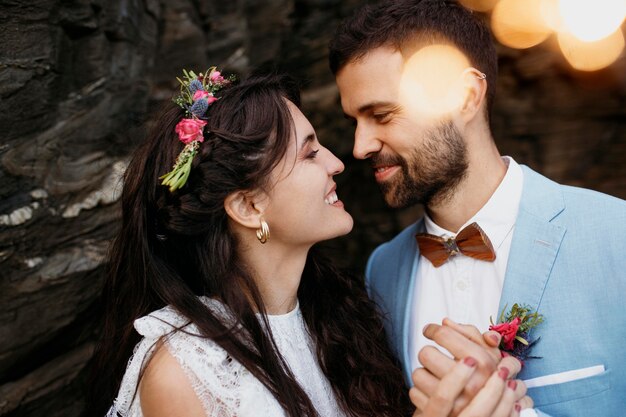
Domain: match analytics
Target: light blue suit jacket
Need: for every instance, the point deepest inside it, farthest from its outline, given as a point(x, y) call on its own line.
point(568, 260)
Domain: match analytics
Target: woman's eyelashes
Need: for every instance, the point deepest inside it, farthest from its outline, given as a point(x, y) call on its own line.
point(312, 154)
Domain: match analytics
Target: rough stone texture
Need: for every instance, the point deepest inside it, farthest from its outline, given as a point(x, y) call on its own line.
point(77, 76)
point(73, 81)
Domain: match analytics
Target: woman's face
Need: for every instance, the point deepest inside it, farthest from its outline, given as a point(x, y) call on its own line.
point(303, 206)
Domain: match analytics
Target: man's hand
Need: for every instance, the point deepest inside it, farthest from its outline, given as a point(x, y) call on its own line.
point(461, 341)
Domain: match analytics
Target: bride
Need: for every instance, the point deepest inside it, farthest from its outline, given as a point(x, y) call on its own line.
point(213, 288)
point(216, 302)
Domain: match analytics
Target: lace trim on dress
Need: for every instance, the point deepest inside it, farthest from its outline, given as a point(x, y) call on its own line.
point(195, 353)
point(224, 387)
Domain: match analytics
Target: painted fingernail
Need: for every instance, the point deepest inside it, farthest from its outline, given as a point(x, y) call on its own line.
point(469, 361)
point(503, 372)
point(512, 384)
point(495, 338)
point(518, 408)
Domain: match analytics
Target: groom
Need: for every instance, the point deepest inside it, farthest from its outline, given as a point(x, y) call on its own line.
point(558, 249)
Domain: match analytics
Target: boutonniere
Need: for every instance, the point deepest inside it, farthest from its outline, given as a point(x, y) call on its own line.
point(514, 327)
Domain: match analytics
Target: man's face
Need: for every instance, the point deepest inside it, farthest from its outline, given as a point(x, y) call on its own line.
point(418, 155)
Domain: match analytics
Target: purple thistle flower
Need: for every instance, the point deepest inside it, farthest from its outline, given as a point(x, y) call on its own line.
point(199, 108)
point(522, 351)
point(194, 86)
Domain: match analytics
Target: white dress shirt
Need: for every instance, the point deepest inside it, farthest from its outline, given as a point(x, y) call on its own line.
point(465, 289)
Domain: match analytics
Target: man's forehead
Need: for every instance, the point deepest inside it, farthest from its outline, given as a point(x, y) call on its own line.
point(370, 80)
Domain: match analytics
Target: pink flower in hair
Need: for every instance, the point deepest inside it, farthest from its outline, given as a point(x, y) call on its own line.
point(216, 77)
point(190, 130)
point(200, 94)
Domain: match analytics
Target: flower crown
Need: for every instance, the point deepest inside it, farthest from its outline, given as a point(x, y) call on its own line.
point(197, 93)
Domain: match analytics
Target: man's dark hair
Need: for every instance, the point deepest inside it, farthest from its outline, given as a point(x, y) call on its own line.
point(405, 24)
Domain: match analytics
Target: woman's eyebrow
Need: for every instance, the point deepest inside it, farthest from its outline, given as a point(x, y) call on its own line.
point(310, 138)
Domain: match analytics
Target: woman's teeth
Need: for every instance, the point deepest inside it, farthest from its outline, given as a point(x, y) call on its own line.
point(332, 198)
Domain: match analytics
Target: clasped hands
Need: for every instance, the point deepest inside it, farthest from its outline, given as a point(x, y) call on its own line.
point(478, 382)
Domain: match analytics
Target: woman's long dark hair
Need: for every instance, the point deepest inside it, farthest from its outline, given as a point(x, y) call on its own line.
point(173, 247)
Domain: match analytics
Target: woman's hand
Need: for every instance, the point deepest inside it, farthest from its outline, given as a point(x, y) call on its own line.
point(441, 400)
point(500, 396)
point(462, 341)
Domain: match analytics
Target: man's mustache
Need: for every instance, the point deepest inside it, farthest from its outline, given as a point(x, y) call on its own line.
point(385, 160)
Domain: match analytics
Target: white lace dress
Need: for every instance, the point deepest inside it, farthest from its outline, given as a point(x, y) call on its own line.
point(224, 386)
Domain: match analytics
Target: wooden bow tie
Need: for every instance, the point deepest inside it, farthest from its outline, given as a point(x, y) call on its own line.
point(471, 241)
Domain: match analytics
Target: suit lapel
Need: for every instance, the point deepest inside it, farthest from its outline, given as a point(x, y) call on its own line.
point(536, 242)
point(407, 266)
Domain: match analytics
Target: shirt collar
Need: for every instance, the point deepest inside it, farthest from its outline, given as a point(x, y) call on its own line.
point(497, 217)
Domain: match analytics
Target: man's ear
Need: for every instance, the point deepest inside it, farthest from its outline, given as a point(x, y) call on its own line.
point(474, 90)
point(245, 208)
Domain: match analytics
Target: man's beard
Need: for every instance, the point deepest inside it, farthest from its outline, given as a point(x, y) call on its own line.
point(431, 174)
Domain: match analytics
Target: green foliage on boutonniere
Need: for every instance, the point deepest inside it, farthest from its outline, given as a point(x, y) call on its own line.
point(514, 326)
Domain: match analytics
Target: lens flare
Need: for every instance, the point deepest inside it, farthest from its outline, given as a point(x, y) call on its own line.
point(591, 56)
point(519, 23)
point(431, 82)
point(592, 20)
point(479, 5)
point(551, 14)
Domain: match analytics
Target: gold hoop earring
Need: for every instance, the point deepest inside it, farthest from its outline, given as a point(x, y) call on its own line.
point(263, 233)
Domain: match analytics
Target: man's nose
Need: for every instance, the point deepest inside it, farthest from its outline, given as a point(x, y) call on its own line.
point(365, 142)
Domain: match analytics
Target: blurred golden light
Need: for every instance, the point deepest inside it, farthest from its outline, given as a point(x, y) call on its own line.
point(551, 14)
point(479, 5)
point(431, 82)
point(519, 23)
point(591, 56)
point(592, 20)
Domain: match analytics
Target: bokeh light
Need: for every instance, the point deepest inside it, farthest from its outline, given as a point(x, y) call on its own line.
point(592, 20)
point(519, 24)
point(589, 32)
point(431, 82)
point(591, 56)
point(551, 14)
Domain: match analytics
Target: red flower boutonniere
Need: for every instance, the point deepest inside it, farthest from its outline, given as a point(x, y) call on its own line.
point(514, 328)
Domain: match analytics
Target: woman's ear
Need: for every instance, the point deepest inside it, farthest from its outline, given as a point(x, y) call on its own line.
point(245, 208)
